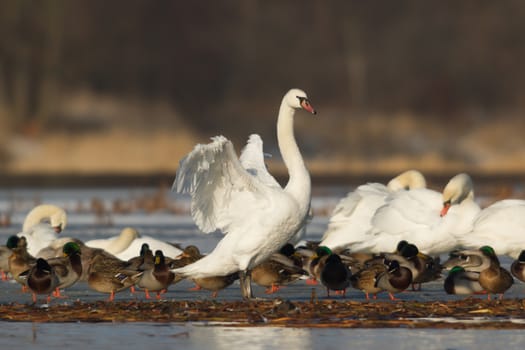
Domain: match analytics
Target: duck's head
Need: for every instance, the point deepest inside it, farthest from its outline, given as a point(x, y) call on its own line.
point(401, 245)
point(323, 251)
point(71, 248)
point(190, 251)
point(409, 251)
point(287, 250)
point(297, 99)
point(159, 257)
point(456, 191)
point(488, 251)
point(43, 265)
point(392, 265)
point(12, 242)
point(455, 270)
point(144, 249)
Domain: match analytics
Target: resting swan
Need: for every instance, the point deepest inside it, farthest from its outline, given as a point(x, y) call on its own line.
point(128, 244)
point(434, 222)
point(500, 225)
point(42, 225)
point(256, 215)
point(351, 218)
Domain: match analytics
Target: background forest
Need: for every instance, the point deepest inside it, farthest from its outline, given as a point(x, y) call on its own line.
point(112, 87)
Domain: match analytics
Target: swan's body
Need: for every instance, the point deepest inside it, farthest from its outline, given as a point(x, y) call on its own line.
point(133, 249)
point(501, 226)
point(257, 215)
point(430, 220)
point(39, 233)
point(352, 216)
point(128, 244)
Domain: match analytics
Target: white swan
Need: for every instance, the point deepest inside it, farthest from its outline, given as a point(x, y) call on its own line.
point(116, 244)
point(351, 218)
point(129, 242)
point(430, 220)
point(501, 226)
point(42, 225)
point(133, 249)
point(257, 215)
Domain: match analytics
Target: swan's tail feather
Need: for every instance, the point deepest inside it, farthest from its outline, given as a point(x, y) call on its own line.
point(205, 267)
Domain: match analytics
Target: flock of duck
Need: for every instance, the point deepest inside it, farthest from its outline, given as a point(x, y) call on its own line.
point(379, 237)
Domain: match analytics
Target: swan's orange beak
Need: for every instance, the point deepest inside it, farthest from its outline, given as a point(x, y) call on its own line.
point(307, 106)
point(444, 211)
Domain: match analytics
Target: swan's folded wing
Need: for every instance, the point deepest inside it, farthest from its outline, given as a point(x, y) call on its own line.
point(252, 159)
point(406, 211)
point(222, 190)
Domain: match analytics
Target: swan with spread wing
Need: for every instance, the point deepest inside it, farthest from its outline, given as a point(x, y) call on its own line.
point(243, 200)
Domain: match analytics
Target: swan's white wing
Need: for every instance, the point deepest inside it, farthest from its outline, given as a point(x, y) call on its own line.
point(409, 215)
point(252, 159)
point(347, 205)
point(407, 211)
point(500, 225)
point(352, 216)
point(222, 191)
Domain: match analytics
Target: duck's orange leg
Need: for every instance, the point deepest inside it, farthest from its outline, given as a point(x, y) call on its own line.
point(270, 290)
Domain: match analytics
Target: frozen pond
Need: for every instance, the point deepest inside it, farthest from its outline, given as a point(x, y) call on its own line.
point(126, 336)
point(172, 224)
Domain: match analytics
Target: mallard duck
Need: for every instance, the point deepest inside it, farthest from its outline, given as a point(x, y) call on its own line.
point(335, 275)
point(5, 253)
point(460, 281)
point(423, 267)
point(278, 270)
point(356, 261)
point(365, 279)
point(470, 260)
point(494, 279)
point(42, 279)
point(517, 268)
point(156, 278)
point(396, 279)
point(214, 284)
point(68, 268)
point(20, 260)
point(315, 264)
point(108, 274)
point(145, 260)
point(189, 255)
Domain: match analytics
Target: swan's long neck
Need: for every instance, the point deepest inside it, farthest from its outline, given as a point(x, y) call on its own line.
point(39, 213)
point(121, 243)
point(298, 185)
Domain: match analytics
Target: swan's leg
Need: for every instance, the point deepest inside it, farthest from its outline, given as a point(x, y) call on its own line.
point(246, 284)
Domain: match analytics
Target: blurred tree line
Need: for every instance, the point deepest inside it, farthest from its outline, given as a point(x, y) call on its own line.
point(228, 62)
